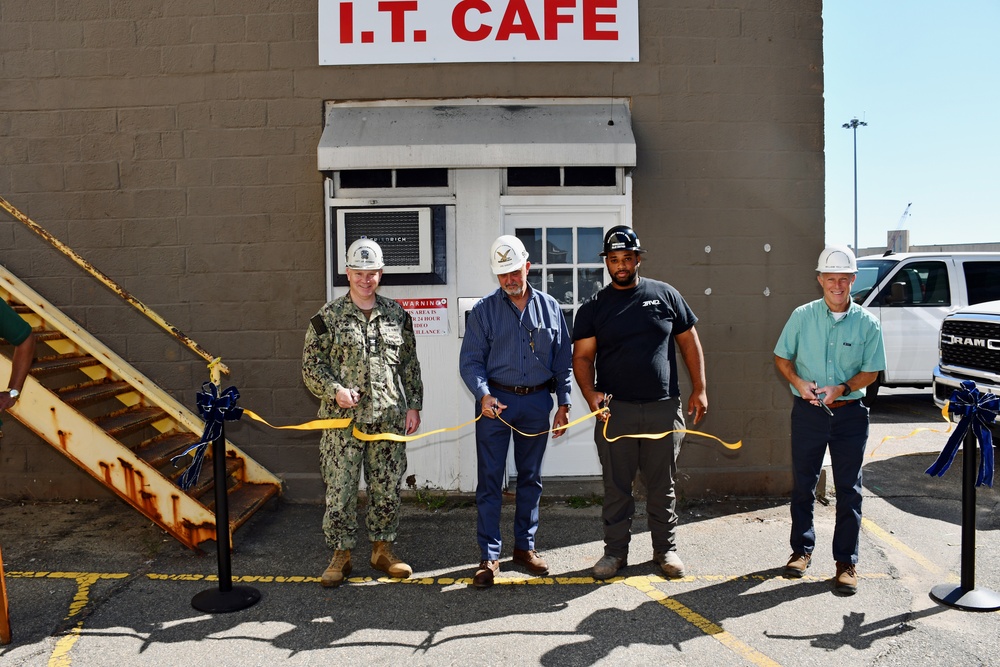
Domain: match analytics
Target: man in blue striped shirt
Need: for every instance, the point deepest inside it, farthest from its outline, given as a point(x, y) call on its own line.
point(515, 354)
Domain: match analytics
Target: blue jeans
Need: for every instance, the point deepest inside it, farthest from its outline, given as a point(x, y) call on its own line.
point(846, 434)
point(529, 414)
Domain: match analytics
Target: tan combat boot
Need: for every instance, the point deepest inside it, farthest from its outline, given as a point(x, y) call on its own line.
point(338, 569)
point(383, 559)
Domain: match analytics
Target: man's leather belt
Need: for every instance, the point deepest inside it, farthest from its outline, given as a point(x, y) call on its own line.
point(835, 404)
point(519, 390)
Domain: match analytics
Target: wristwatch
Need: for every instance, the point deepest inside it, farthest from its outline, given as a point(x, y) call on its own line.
point(847, 387)
point(14, 393)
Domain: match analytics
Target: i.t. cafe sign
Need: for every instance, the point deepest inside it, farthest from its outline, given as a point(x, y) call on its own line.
point(369, 32)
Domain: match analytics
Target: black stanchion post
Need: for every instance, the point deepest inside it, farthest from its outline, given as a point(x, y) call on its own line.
point(226, 597)
point(966, 596)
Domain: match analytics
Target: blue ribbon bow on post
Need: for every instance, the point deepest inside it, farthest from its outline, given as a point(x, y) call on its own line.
point(979, 411)
point(214, 408)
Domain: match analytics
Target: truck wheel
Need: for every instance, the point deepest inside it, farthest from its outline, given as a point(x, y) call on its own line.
point(871, 392)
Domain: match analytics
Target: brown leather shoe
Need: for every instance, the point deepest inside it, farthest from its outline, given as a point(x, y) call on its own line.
point(846, 582)
point(484, 575)
point(531, 561)
point(797, 564)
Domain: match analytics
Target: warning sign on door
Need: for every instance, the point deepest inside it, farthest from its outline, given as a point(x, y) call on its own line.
point(430, 316)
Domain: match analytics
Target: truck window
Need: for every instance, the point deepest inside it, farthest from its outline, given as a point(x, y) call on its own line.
point(982, 279)
point(917, 284)
point(870, 273)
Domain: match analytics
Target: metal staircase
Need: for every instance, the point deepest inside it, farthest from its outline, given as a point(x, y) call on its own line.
point(120, 427)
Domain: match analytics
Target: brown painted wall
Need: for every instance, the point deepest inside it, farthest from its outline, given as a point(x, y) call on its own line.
point(173, 144)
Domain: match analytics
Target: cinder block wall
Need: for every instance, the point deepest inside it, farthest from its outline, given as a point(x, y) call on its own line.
point(173, 144)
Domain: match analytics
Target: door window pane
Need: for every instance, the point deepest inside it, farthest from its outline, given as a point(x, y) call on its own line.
point(589, 282)
point(590, 242)
point(560, 283)
point(532, 240)
point(559, 249)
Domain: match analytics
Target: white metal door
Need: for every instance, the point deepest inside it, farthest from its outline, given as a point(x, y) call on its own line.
point(563, 244)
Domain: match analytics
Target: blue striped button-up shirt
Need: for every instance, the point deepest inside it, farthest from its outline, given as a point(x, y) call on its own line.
point(516, 348)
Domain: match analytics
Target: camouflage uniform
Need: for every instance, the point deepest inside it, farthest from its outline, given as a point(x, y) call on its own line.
point(377, 357)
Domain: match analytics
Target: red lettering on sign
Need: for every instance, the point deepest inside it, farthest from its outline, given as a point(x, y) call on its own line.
point(460, 24)
point(591, 19)
point(517, 19)
point(397, 15)
point(553, 18)
point(347, 23)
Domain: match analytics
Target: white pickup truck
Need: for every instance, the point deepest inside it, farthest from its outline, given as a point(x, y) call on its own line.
point(970, 350)
point(911, 293)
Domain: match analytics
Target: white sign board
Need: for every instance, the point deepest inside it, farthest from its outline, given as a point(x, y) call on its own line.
point(430, 316)
point(368, 32)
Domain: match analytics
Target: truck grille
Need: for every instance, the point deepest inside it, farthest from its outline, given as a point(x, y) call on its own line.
point(971, 344)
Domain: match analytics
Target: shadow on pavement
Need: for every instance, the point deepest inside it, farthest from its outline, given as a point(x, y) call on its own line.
point(904, 406)
point(902, 482)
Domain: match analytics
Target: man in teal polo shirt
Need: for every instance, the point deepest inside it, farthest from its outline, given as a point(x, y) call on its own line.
point(17, 332)
point(829, 351)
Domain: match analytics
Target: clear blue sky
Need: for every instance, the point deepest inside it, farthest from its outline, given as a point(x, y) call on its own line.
point(925, 76)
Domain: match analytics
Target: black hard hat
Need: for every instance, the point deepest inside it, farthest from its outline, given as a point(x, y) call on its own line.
point(621, 238)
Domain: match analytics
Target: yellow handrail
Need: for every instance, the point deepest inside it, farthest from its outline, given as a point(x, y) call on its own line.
point(215, 364)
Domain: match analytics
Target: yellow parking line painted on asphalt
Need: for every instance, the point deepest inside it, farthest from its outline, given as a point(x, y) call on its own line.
point(711, 629)
point(896, 544)
point(84, 580)
point(427, 581)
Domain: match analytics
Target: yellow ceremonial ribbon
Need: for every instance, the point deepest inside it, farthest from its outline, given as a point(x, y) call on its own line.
point(318, 424)
point(315, 424)
point(944, 415)
point(368, 437)
point(657, 436)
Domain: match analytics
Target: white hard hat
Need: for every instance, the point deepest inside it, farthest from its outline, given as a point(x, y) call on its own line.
point(364, 255)
point(507, 254)
point(837, 259)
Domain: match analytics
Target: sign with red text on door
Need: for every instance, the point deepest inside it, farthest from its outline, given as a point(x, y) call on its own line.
point(367, 32)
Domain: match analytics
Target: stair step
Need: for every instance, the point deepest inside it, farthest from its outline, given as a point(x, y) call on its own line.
point(61, 363)
point(42, 336)
point(89, 393)
point(204, 489)
point(246, 500)
point(129, 420)
point(158, 451)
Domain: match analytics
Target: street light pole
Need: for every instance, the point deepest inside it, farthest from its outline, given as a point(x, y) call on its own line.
point(853, 125)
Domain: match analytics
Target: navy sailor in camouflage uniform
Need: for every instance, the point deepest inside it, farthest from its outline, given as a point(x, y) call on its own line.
point(360, 359)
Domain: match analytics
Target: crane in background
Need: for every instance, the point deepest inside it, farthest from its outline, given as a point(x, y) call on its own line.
point(902, 218)
point(899, 240)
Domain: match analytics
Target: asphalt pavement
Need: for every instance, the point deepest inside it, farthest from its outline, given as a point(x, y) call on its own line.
point(93, 583)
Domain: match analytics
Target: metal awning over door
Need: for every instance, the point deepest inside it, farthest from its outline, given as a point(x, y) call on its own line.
point(459, 134)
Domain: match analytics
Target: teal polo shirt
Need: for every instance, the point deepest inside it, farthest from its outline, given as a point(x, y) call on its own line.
point(13, 328)
point(827, 351)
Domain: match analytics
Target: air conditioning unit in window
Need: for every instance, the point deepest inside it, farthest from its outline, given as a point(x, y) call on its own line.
point(411, 238)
